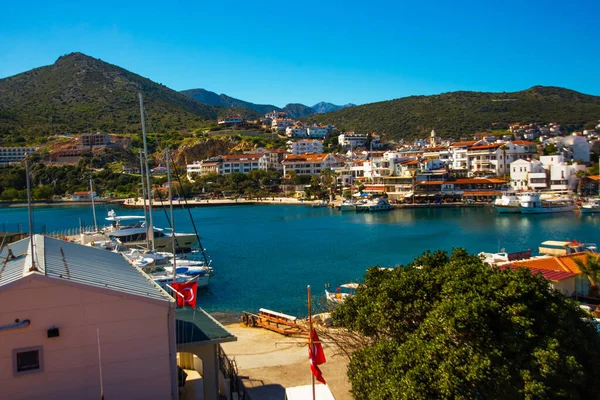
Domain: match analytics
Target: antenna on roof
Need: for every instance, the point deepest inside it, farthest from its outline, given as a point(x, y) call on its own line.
point(29, 209)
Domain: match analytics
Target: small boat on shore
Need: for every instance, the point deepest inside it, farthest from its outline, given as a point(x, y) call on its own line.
point(348, 205)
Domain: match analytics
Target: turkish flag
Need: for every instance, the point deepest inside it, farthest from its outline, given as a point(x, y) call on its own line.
point(316, 356)
point(188, 290)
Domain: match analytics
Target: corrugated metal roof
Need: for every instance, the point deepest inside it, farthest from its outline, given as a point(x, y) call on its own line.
point(12, 262)
point(85, 265)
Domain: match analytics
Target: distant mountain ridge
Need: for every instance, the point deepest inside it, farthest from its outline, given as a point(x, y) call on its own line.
point(294, 110)
point(463, 113)
point(80, 93)
point(324, 107)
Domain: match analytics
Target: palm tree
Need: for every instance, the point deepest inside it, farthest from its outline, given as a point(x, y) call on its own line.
point(591, 269)
point(580, 175)
point(505, 161)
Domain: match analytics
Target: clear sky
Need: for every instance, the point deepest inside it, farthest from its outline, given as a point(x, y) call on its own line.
point(308, 51)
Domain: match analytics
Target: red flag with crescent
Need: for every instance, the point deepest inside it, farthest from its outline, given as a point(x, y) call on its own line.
point(188, 290)
point(316, 356)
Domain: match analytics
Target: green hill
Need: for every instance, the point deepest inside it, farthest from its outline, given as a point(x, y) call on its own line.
point(79, 93)
point(458, 114)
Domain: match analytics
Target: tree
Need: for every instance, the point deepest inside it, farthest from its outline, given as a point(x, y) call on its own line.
point(550, 149)
point(505, 165)
point(451, 327)
point(591, 269)
point(580, 175)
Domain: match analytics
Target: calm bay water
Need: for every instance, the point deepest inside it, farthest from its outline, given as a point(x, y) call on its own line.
point(266, 255)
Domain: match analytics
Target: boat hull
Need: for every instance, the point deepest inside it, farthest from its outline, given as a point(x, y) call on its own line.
point(508, 209)
point(589, 210)
point(546, 210)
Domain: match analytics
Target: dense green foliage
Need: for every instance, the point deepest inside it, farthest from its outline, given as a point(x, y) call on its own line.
point(451, 327)
point(459, 114)
point(80, 93)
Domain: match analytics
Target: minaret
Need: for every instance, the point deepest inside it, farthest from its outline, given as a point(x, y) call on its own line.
point(432, 138)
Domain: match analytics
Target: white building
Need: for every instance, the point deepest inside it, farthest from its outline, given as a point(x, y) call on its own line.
point(243, 163)
point(202, 168)
point(305, 146)
point(14, 154)
point(309, 164)
point(274, 157)
point(527, 174)
point(317, 132)
point(280, 124)
point(351, 139)
point(573, 147)
point(296, 131)
point(62, 306)
point(232, 120)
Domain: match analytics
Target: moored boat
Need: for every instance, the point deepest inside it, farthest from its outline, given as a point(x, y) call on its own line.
point(379, 204)
point(589, 207)
point(508, 203)
point(532, 203)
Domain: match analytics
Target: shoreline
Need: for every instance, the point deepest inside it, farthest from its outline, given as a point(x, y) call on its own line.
point(133, 204)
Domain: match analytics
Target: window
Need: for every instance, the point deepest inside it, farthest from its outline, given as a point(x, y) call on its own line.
point(28, 360)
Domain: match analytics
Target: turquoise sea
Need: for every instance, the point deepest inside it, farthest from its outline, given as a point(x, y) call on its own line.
point(266, 255)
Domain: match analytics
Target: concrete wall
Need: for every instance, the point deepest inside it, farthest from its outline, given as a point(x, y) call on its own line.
point(134, 343)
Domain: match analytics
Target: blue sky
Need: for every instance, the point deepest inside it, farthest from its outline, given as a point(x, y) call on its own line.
point(309, 51)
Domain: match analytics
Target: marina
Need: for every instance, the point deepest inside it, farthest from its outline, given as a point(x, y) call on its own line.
point(264, 256)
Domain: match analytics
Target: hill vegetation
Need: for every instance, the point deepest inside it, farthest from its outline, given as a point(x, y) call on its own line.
point(80, 93)
point(459, 114)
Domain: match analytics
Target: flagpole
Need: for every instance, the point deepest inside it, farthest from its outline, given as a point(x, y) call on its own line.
point(310, 340)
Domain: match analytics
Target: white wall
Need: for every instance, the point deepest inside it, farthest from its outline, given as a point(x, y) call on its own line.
point(134, 343)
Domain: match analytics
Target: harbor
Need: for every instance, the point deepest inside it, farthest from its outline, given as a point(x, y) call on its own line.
point(265, 256)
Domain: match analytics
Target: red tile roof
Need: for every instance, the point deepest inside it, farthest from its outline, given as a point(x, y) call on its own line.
point(463, 144)
point(487, 146)
point(523, 142)
point(553, 276)
point(305, 158)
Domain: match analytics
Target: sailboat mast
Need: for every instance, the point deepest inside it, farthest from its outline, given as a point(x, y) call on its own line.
point(93, 206)
point(150, 227)
point(172, 219)
point(33, 267)
point(144, 196)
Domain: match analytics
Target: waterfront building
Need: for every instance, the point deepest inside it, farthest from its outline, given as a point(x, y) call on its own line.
point(305, 146)
point(562, 271)
point(243, 163)
point(527, 174)
point(573, 147)
point(73, 301)
point(14, 154)
point(203, 168)
point(84, 196)
point(86, 316)
point(309, 164)
point(274, 157)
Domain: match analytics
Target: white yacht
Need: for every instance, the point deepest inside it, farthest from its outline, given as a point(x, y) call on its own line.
point(348, 205)
point(135, 236)
point(509, 202)
point(532, 203)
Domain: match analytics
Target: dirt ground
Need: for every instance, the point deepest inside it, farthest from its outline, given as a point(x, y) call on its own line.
point(270, 362)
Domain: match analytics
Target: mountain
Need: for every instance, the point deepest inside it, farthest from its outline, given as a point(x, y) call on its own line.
point(323, 107)
point(297, 110)
point(79, 93)
point(211, 98)
point(458, 114)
